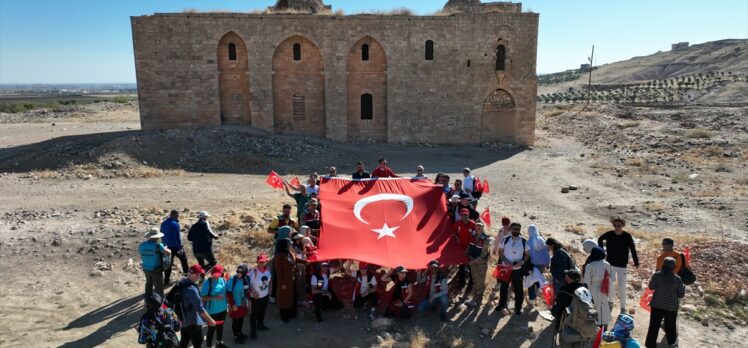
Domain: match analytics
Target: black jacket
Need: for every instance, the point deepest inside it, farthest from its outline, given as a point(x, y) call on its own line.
point(201, 237)
point(617, 248)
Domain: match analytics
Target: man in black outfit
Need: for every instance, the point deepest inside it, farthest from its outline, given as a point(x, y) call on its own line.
point(617, 244)
point(360, 172)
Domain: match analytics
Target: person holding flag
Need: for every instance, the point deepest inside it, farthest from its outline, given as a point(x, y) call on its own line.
point(597, 276)
point(668, 290)
point(668, 250)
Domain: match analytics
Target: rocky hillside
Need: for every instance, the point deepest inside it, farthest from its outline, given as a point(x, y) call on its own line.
point(709, 73)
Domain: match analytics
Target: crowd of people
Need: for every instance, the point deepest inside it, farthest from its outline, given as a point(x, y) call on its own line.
point(208, 295)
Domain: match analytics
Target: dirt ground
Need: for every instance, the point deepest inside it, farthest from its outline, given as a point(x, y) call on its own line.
point(80, 192)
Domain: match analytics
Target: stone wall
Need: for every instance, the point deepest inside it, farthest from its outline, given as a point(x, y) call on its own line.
point(415, 100)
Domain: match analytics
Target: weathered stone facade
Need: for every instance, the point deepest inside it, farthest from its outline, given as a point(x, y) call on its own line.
point(348, 78)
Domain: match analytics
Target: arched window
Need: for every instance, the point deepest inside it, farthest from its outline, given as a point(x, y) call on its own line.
point(232, 51)
point(500, 58)
point(296, 51)
point(364, 52)
point(429, 50)
point(367, 107)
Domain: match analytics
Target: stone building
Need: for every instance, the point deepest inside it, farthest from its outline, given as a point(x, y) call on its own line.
point(679, 46)
point(464, 76)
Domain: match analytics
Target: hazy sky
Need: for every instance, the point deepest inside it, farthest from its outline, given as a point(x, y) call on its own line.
point(75, 41)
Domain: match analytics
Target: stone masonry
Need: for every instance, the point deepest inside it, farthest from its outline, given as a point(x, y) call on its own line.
point(464, 76)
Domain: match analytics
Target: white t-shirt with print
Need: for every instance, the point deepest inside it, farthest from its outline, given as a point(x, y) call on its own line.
point(260, 282)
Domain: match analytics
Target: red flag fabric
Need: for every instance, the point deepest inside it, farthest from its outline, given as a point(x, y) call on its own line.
point(646, 298)
point(604, 287)
point(687, 254)
point(548, 295)
point(502, 273)
point(478, 186)
point(387, 222)
point(486, 187)
point(598, 338)
point(486, 217)
point(295, 182)
point(274, 180)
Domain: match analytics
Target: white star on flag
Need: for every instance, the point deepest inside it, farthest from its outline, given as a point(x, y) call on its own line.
point(385, 231)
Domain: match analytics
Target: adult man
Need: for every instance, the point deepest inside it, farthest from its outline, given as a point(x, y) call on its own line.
point(333, 173)
point(477, 253)
point(309, 187)
point(151, 252)
point(669, 251)
point(419, 174)
point(202, 238)
point(301, 198)
point(515, 251)
point(436, 282)
point(382, 171)
point(311, 217)
point(457, 189)
point(360, 173)
point(194, 314)
point(284, 219)
point(173, 240)
point(566, 294)
point(465, 204)
point(464, 229)
point(468, 183)
point(617, 244)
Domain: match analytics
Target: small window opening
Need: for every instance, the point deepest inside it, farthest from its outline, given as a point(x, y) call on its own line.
point(429, 50)
point(232, 51)
point(296, 51)
point(367, 107)
point(364, 52)
point(299, 112)
point(500, 58)
point(468, 63)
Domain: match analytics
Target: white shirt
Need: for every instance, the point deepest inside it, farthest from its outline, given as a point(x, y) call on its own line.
point(468, 183)
point(309, 190)
point(367, 283)
point(260, 287)
point(325, 279)
point(513, 250)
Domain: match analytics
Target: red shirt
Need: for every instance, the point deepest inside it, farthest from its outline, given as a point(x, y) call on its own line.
point(385, 172)
point(465, 232)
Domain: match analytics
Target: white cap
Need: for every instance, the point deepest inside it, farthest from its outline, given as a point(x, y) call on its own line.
point(202, 214)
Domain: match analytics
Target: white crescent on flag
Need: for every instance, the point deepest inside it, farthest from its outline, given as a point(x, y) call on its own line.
point(385, 231)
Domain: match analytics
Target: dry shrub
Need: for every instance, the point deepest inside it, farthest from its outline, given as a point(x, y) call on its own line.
point(339, 13)
point(634, 162)
point(45, 174)
point(229, 222)
point(698, 133)
point(553, 113)
point(576, 229)
point(418, 339)
point(628, 124)
point(655, 206)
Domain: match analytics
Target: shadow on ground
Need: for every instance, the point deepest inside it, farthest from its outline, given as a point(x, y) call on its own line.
point(120, 315)
point(240, 150)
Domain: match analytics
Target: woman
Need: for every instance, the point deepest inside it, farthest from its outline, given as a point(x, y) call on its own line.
point(668, 290)
point(539, 258)
point(323, 297)
point(285, 273)
point(236, 294)
point(301, 267)
point(214, 295)
point(597, 277)
point(259, 282)
point(560, 262)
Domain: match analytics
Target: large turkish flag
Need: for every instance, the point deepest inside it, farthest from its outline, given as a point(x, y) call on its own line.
point(386, 221)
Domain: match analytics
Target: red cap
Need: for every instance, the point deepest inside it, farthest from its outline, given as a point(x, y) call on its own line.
point(216, 270)
point(505, 221)
point(196, 269)
point(464, 211)
point(262, 258)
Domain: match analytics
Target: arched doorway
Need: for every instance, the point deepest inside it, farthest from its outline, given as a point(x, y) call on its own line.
point(499, 118)
point(233, 80)
point(366, 88)
point(298, 88)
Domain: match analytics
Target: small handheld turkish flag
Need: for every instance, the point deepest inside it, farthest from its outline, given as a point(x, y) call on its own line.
point(274, 180)
point(486, 217)
point(486, 187)
point(295, 182)
point(548, 294)
point(646, 298)
point(478, 185)
point(687, 254)
point(387, 222)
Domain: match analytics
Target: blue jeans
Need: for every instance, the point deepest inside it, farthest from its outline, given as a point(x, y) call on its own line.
point(442, 302)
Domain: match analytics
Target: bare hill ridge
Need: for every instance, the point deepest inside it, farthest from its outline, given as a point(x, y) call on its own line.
point(711, 72)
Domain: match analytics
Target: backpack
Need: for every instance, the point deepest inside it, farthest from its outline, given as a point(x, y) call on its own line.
point(165, 258)
point(686, 275)
point(174, 299)
point(583, 318)
point(160, 332)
